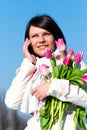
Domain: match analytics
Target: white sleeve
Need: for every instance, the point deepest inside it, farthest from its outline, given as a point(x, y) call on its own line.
point(15, 93)
point(61, 89)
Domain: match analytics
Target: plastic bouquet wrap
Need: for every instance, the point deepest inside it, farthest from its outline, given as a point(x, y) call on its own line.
point(68, 69)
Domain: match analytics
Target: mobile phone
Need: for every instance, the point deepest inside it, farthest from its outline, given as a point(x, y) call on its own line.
point(30, 49)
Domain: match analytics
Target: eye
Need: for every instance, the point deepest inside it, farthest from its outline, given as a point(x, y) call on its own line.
point(35, 35)
point(46, 34)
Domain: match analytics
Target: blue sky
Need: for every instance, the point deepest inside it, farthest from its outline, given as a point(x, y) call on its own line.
point(14, 15)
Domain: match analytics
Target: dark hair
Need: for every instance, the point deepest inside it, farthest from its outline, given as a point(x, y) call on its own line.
point(47, 23)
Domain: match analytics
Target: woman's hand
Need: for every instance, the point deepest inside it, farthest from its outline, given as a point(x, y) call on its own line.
point(26, 52)
point(41, 90)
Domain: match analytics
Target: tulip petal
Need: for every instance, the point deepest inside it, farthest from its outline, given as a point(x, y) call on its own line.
point(48, 53)
point(78, 57)
point(84, 78)
point(60, 44)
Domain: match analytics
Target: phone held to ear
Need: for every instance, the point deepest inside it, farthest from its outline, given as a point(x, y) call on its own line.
point(30, 49)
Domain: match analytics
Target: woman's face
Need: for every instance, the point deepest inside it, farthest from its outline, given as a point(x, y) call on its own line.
point(41, 39)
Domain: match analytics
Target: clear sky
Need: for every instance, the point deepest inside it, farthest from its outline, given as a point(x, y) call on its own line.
point(71, 15)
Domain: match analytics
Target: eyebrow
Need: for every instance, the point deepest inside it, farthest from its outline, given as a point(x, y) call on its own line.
point(33, 34)
point(37, 33)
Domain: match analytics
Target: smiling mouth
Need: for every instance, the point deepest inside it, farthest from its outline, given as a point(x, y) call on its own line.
point(43, 46)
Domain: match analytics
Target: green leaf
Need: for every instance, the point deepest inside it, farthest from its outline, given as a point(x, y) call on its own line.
point(55, 72)
point(77, 82)
point(84, 70)
point(75, 120)
point(44, 120)
point(82, 124)
point(69, 72)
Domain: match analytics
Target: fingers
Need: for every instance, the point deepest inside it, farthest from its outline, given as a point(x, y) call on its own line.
point(36, 94)
point(26, 44)
point(34, 90)
point(26, 52)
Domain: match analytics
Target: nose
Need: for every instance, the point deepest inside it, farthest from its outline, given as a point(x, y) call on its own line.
point(41, 39)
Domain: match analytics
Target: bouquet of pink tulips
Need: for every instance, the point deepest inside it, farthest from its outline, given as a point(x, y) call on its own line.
point(68, 69)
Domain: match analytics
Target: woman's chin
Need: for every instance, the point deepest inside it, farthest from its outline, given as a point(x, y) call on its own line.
point(41, 53)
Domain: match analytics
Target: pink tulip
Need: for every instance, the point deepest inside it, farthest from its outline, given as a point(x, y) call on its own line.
point(59, 56)
point(84, 78)
point(70, 52)
point(48, 53)
point(66, 60)
point(78, 57)
point(60, 44)
point(43, 69)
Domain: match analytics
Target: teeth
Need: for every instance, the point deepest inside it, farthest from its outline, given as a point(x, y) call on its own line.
point(42, 47)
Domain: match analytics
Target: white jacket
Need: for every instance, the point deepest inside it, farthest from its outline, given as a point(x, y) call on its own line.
point(16, 97)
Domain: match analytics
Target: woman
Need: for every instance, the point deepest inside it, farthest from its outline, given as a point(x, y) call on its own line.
point(29, 90)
